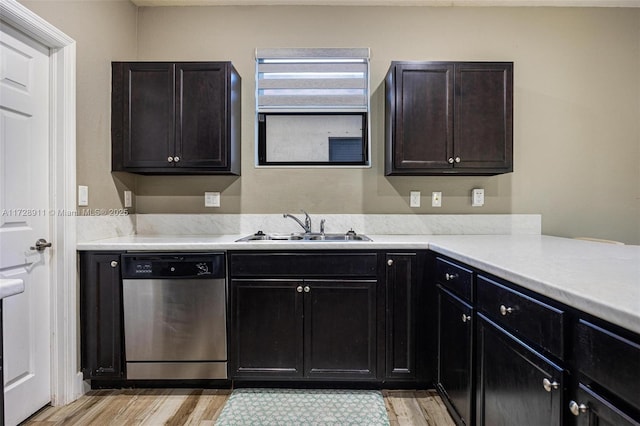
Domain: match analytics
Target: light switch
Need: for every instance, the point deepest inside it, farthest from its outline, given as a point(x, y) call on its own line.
point(212, 199)
point(128, 202)
point(414, 199)
point(83, 195)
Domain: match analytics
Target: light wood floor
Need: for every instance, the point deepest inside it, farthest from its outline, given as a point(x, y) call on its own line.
point(202, 407)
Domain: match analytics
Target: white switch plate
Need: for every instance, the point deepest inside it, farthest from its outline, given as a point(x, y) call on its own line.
point(436, 199)
point(212, 199)
point(414, 199)
point(477, 197)
point(83, 195)
point(128, 199)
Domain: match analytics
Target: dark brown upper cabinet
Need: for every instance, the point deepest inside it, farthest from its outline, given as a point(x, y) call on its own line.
point(449, 118)
point(175, 118)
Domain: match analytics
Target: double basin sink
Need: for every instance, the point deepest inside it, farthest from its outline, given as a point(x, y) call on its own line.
point(307, 236)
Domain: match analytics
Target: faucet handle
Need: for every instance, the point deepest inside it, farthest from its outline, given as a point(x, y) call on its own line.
point(322, 225)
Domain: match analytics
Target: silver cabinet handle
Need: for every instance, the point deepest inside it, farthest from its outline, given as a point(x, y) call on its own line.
point(576, 408)
point(457, 159)
point(176, 159)
point(466, 317)
point(504, 311)
point(549, 385)
point(299, 289)
point(170, 159)
point(41, 244)
point(114, 263)
point(450, 160)
point(450, 277)
point(390, 262)
point(307, 289)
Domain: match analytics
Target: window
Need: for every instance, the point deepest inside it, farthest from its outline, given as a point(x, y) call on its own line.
point(312, 107)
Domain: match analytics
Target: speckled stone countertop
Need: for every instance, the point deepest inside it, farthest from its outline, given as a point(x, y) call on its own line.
point(600, 279)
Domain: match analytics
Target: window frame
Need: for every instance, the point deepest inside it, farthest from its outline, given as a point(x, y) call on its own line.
point(316, 55)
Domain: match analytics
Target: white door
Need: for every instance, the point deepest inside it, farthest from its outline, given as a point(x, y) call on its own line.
point(25, 216)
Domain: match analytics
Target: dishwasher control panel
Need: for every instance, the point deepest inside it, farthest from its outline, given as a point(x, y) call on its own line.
point(173, 265)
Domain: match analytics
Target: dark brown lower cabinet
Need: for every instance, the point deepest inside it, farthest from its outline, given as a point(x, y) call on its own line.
point(266, 334)
point(101, 322)
point(311, 329)
point(511, 386)
point(455, 354)
point(592, 409)
point(401, 301)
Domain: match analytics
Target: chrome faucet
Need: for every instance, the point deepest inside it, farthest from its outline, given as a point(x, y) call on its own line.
point(307, 221)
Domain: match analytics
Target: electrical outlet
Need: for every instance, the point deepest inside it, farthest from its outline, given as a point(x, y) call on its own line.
point(436, 199)
point(212, 199)
point(477, 197)
point(128, 202)
point(83, 195)
point(414, 199)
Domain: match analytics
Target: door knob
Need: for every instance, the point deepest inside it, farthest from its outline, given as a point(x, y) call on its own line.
point(549, 385)
point(466, 317)
point(390, 262)
point(41, 244)
point(505, 311)
point(299, 289)
point(307, 289)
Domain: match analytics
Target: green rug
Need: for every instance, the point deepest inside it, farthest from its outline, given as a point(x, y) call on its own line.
point(303, 407)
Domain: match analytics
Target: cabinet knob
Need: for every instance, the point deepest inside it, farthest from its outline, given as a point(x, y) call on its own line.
point(299, 289)
point(549, 385)
point(450, 277)
point(390, 262)
point(114, 263)
point(457, 159)
point(466, 317)
point(307, 289)
point(170, 159)
point(450, 160)
point(504, 311)
point(176, 159)
point(576, 408)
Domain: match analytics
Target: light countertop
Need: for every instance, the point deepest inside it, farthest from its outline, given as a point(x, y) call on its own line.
point(600, 279)
point(10, 287)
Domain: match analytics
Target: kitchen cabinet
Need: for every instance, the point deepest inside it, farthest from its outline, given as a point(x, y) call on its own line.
point(401, 298)
point(303, 315)
point(449, 118)
point(1, 368)
point(516, 385)
point(455, 338)
point(175, 118)
point(101, 324)
point(520, 352)
point(608, 366)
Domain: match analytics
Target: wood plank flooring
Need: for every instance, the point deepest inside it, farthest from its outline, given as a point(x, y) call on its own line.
point(202, 406)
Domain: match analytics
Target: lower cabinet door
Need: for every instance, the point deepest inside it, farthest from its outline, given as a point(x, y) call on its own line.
point(266, 334)
point(101, 326)
point(455, 339)
point(340, 329)
point(516, 386)
point(592, 409)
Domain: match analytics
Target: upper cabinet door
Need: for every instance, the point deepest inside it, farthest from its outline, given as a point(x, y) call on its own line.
point(484, 116)
point(423, 120)
point(175, 118)
point(449, 118)
point(201, 110)
point(147, 107)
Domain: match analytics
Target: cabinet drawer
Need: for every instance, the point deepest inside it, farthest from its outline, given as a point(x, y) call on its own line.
point(610, 360)
point(455, 278)
point(533, 320)
point(297, 265)
point(600, 412)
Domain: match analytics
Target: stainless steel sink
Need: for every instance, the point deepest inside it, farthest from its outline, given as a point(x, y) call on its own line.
point(317, 237)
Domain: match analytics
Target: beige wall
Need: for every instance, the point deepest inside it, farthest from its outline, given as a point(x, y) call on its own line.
point(577, 105)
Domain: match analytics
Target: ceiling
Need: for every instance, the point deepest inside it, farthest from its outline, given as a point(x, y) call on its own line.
point(556, 3)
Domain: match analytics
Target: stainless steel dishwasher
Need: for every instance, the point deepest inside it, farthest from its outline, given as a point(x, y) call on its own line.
point(175, 315)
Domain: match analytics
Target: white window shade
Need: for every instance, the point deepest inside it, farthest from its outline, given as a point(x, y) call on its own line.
point(312, 80)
